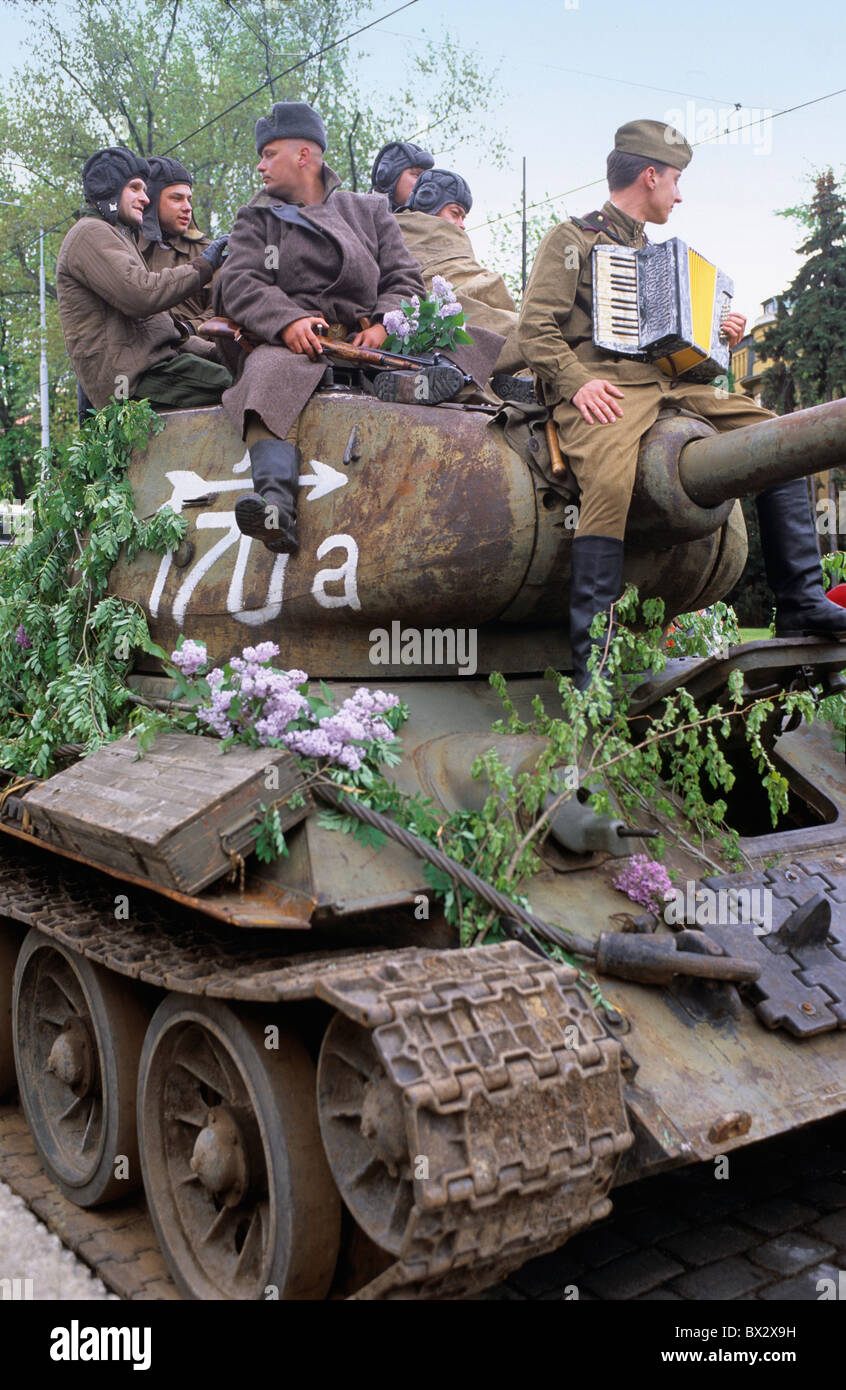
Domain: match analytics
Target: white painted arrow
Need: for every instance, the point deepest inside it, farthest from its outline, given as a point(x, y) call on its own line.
point(323, 480)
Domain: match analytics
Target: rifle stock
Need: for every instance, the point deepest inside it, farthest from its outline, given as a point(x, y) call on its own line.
point(233, 341)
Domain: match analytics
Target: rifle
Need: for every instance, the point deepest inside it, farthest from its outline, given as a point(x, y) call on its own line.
point(233, 341)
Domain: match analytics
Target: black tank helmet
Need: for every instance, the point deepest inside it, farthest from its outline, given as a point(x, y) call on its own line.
point(105, 175)
point(391, 161)
point(163, 172)
point(437, 187)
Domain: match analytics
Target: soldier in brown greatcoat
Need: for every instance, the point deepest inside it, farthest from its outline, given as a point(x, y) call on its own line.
point(169, 235)
point(307, 254)
point(603, 404)
point(118, 333)
point(432, 225)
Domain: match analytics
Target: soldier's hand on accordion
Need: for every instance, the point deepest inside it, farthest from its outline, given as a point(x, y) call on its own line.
point(734, 327)
point(596, 399)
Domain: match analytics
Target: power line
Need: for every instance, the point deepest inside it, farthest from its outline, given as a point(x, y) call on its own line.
point(309, 57)
point(706, 140)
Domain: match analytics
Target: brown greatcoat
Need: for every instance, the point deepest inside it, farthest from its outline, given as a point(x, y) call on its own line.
point(353, 264)
point(442, 248)
point(113, 309)
point(176, 250)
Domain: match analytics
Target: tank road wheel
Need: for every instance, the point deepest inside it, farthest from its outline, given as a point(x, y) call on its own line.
point(363, 1127)
point(9, 944)
point(237, 1182)
point(78, 1032)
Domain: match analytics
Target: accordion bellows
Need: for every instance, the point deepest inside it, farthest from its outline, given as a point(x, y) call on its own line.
point(663, 304)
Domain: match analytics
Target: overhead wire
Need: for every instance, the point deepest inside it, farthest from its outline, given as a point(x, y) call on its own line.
point(594, 183)
point(308, 58)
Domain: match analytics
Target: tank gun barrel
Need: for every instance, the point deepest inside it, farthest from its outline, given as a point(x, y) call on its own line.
point(744, 462)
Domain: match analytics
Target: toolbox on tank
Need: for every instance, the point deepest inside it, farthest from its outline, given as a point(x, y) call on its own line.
point(178, 816)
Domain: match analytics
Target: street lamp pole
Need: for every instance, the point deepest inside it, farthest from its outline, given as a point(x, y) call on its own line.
point(44, 382)
point(45, 386)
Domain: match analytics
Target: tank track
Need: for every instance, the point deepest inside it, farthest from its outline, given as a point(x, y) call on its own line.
point(505, 1077)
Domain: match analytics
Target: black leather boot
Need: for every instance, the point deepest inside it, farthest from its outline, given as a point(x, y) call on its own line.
point(269, 514)
point(423, 386)
point(792, 562)
point(597, 578)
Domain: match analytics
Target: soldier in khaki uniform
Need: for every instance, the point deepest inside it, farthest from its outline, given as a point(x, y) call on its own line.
point(432, 225)
point(169, 235)
point(604, 404)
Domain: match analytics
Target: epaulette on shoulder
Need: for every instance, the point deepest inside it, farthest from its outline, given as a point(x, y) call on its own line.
point(596, 222)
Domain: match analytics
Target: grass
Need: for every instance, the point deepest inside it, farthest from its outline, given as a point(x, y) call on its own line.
point(754, 634)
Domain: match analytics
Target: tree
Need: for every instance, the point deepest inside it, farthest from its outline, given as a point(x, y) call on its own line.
point(161, 75)
point(807, 342)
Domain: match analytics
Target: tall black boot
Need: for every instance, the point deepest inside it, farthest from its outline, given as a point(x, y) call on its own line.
point(597, 578)
point(270, 513)
point(792, 562)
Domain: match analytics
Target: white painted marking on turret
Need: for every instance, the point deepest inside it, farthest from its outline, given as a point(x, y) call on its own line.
point(347, 572)
point(186, 484)
point(323, 480)
point(208, 521)
point(254, 617)
point(243, 464)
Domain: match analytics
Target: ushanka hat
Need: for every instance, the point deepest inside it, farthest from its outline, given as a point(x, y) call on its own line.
point(437, 187)
point(654, 140)
point(105, 175)
point(290, 120)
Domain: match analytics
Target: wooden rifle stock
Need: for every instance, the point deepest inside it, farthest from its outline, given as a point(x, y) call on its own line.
point(233, 341)
point(375, 357)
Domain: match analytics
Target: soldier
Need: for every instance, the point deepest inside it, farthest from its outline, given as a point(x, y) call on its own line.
point(396, 168)
point(604, 404)
point(119, 336)
point(303, 255)
point(432, 225)
point(169, 234)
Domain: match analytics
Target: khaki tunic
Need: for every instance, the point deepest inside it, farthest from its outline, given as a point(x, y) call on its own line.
point(556, 337)
point(176, 251)
point(349, 262)
point(113, 309)
point(444, 249)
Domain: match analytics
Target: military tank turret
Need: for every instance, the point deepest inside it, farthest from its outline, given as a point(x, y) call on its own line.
point(331, 1098)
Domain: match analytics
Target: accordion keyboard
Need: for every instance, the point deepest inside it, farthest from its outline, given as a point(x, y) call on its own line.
point(615, 297)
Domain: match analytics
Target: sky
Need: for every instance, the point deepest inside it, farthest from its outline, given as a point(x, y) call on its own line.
point(571, 71)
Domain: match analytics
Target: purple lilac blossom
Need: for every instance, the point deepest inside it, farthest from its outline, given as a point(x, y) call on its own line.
point(23, 639)
point(190, 657)
point(271, 701)
point(645, 881)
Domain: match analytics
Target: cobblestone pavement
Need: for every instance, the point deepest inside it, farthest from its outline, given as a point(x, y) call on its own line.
point(34, 1263)
point(769, 1231)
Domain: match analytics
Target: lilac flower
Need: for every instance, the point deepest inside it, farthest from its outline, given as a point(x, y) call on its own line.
point(441, 288)
point(396, 322)
point(645, 881)
point(23, 639)
point(447, 311)
point(190, 657)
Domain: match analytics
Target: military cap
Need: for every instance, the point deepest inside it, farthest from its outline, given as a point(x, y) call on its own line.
point(437, 187)
point(393, 159)
point(654, 140)
point(290, 120)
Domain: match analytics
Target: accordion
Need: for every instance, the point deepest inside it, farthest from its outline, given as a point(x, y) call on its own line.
point(663, 304)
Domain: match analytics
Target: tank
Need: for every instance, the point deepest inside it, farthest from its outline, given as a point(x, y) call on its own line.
point(319, 1092)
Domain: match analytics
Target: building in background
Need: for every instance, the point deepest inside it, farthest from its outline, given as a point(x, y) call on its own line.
point(746, 364)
